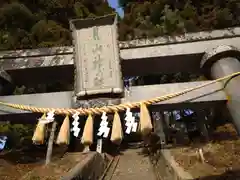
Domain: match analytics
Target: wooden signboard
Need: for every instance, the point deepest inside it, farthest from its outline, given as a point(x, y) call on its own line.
point(97, 62)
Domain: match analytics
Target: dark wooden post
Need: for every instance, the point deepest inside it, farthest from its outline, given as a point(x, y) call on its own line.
point(159, 126)
point(50, 143)
point(201, 124)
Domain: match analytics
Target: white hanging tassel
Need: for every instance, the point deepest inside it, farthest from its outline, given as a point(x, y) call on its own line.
point(48, 119)
point(75, 123)
point(130, 122)
point(104, 129)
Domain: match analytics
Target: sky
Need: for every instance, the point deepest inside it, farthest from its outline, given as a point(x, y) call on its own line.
point(114, 4)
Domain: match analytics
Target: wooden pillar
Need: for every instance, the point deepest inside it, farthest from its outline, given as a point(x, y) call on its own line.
point(50, 143)
point(159, 126)
point(201, 124)
point(223, 61)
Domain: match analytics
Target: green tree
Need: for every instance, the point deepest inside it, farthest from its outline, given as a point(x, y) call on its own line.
point(151, 18)
point(48, 33)
point(43, 23)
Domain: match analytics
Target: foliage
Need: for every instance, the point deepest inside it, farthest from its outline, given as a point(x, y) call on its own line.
point(43, 23)
point(151, 18)
point(18, 134)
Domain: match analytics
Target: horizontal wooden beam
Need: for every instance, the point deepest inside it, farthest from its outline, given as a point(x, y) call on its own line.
point(151, 56)
point(54, 100)
point(160, 55)
point(162, 40)
point(171, 58)
point(205, 97)
point(139, 93)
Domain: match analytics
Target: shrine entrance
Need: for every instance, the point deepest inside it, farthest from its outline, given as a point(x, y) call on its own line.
point(102, 112)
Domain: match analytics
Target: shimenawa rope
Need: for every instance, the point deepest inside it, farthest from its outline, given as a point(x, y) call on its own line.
point(113, 108)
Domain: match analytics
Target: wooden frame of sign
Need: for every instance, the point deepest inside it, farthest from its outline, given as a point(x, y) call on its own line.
point(97, 62)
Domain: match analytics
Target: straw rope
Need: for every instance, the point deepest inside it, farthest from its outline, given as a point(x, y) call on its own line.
point(114, 108)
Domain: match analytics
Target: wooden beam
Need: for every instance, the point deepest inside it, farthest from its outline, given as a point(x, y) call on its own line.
point(170, 58)
point(50, 143)
point(162, 40)
point(207, 96)
point(150, 60)
point(55, 100)
point(152, 56)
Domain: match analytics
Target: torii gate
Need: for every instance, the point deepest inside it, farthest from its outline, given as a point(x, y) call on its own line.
point(187, 54)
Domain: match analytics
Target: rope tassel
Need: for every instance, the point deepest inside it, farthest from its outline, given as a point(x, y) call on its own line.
point(39, 133)
point(64, 133)
point(87, 137)
point(145, 120)
point(117, 134)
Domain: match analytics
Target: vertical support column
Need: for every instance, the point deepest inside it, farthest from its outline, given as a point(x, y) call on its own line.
point(159, 126)
point(223, 61)
point(227, 66)
point(201, 124)
point(50, 143)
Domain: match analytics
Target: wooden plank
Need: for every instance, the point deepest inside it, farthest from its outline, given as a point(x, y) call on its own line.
point(208, 95)
point(55, 100)
point(163, 40)
point(205, 97)
point(97, 62)
point(138, 93)
point(151, 57)
point(149, 60)
point(25, 53)
point(171, 58)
